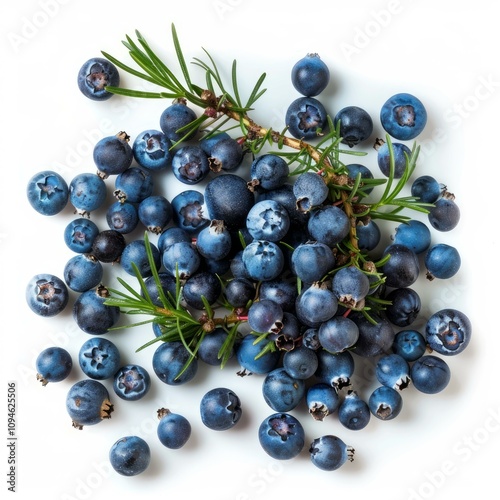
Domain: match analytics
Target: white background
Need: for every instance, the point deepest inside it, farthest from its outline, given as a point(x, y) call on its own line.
point(439, 446)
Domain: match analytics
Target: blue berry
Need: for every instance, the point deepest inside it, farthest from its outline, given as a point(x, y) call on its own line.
point(210, 347)
point(190, 164)
point(312, 261)
point(53, 364)
point(442, 261)
point(281, 436)
point(87, 403)
point(95, 75)
point(430, 374)
point(281, 391)
point(181, 258)
point(401, 153)
point(155, 213)
point(83, 272)
point(214, 241)
point(329, 225)
point(316, 304)
point(393, 370)
point(355, 169)
point(239, 292)
point(403, 116)
point(92, 315)
point(151, 150)
point(99, 358)
point(385, 403)
point(426, 188)
point(404, 306)
point(134, 256)
point(445, 214)
point(306, 118)
point(175, 117)
point(279, 291)
point(134, 185)
point(265, 316)
point(167, 284)
point(310, 190)
point(46, 295)
point(113, 154)
point(187, 208)
point(448, 331)
point(209, 141)
point(173, 363)
point(350, 285)
point(173, 430)
point(329, 452)
point(353, 412)
point(87, 193)
point(263, 260)
point(268, 220)
point(131, 382)
point(47, 192)
point(226, 154)
point(368, 234)
point(310, 75)
point(228, 198)
point(171, 235)
point(402, 267)
point(336, 369)
point(374, 339)
point(220, 409)
point(202, 284)
point(409, 344)
point(321, 400)
point(300, 363)
point(122, 217)
point(338, 334)
point(79, 235)
point(414, 235)
point(253, 358)
point(108, 246)
point(356, 125)
point(130, 456)
point(268, 171)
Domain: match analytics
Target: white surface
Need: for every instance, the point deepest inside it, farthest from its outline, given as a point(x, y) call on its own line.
point(441, 445)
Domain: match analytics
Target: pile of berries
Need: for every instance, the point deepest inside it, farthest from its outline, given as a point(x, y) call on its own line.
point(265, 239)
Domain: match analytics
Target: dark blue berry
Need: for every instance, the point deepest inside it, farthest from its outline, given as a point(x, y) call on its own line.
point(311, 261)
point(409, 344)
point(310, 190)
point(122, 217)
point(87, 193)
point(99, 358)
point(95, 75)
point(356, 125)
point(263, 260)
point(131, 382)
point(310, 75)
point(329, 452)
point(329, 225)
point(135, 254)
point(353, 412)
point(393, 370)
point(108, 246)
point(134, 185)
point(173, 430)
point(402, 267)
point(426, 188)
point(268, 171)
point(385, 403)
point(187, 208)
point(151, 150)
point(400, 151)
point(306, 118)
point(430, 374)
point(336, 369)
point(253, 359)
point(226, 154)
point(445, 214)
point(442, 261)
point(190, 164)
point(322, 400)
point(79, 235)
point(92, 315)
point(53, 364)
point(404, 306)
point(83, 272)
point(403, 116)
point(155, 213)
point(202, 284)
point(448, 331)
point(220, 409)
point(175, 117)
point(47, 192)
point(281, 436)
point(87, 403)
point(173, 363)
point(414, 235)
point(130, 456)
point(113, 155)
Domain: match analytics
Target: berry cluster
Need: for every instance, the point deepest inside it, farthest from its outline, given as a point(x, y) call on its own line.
point(284, 241)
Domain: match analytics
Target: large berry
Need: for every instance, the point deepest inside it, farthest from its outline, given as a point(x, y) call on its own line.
point(113, 154)
point(46, 295)
point(403, 116)
point(281, 436)
point(130, 456)
point(310, 75)
point(99, 358)
point(53, 364)
point(448, 331)
point(355, 125)
point(306, 118)
point(47, 192)
point(220, 409)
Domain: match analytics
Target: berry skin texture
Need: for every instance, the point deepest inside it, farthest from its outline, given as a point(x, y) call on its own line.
point(168, 361)
point(393, 371)
point(354, 413)
point(46, 295)
point(328, 225)
point(173, 430)
point(448, 332)
point(53, 364)
point(99, 358)
point(87, 403)
point(151, 150)
point(312, 260)
point(338, 334)
point(220, 409)
point(268, 172)
point(310, 191)
point(442, 261)
point(113, 155)
point(94, 76)
point(373, 340)
point(329, 452)
point(281, 391)
point(47, 192)
point(130, 456)
point(404, 306)
point(175, 117)
point(281, 436)
point(263, 260)
point(445, 214)
point(426, 188)
point(268, 220)
point(92, 315)
point(305, 118)
point(83, 272)
point(385, 403)
point(310, 75)
point(402, 268)
point(131, 382)
point(403, 116)
point(87, 193)
point(334, 370)
point(430, 374)
point(356, 125)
